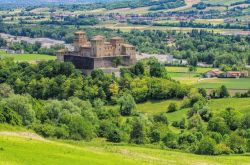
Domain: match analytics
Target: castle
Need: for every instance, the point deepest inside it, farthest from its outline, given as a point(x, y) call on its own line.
point(97, 53)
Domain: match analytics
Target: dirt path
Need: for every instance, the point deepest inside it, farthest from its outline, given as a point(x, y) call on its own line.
point(23, 134)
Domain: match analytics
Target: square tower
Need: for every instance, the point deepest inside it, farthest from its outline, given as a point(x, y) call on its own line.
point(80, 40)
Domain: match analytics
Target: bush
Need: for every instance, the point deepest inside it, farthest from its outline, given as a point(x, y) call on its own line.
point(205, 114)
point(216, 136)
point(114, 135)
point(236, 143)
point(155, 136)
point(172, 107)
point(22, 106)
point(222, 149)
point(138, 135)
point(127, 104)
point(161, 118)
point(9, 116)
point(206, 146)
point(80, 128)
point(170, 140)
point(218, 124)
point(248, 145)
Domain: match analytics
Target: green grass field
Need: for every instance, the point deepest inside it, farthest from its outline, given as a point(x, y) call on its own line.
point(185, 69)
point(16, 150)
point(230, 83)
point(28, 57)
point(216, 105)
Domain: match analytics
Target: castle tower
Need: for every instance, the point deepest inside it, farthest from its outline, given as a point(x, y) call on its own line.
point(117, 42)
point(60, 54)
point(97, 46)
point(80, 40)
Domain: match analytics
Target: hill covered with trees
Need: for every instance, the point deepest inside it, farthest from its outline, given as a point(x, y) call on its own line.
point(55, 100)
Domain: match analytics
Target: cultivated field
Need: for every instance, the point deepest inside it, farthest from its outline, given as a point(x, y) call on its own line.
point(16, 150)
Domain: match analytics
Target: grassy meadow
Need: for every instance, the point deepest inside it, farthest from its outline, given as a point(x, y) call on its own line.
point(230, 83)
point(216, 105)
point(27, 57)
point(16, 150)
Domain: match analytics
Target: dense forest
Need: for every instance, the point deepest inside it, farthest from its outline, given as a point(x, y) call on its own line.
point(55, 100)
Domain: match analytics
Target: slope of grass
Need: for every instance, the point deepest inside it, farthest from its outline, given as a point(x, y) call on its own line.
point(241, 104)
point(25, 151)
point(231, 83)
point(28, 57)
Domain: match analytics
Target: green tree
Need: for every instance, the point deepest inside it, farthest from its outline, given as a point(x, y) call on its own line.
point(219, 125)
point(138, 134)
point(223, 92)
point(206, 146)
point(5, 90)
point(127, 104)
point(232, 118)
point(157, 70)
point(236, 143)
point(22, 106)
point(172, 107)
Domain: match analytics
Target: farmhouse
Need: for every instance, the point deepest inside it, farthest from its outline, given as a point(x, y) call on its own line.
point(236, 74)
point(97, 53)
point(213, 73)
point(229, 74)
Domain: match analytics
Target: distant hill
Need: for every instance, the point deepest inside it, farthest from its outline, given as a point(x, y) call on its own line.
point(40, 2)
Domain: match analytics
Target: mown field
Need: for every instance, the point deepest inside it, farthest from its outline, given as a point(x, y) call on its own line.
point(195, 78)
point(216, 106)
point(28, 57)
point(230, 83)
point(16, 150)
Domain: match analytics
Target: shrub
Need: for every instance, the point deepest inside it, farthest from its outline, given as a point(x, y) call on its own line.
point(222, 149)
point(80, 128)
point(248, 145)
point(172, 107)
point(236, 143)
point(245, 123)
point(205, 114)
point(206, 146)
point(161, 118)
point(22, 106)
point(170, 140)
point(195, 122)
point(155, 136)
point(218, 124)
point(114, 135)
point(127, 104)
point(216, 136)
point(138, 134)
point(9, 116)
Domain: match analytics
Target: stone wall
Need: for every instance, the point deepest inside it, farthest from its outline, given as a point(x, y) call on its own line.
point(95, 63)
